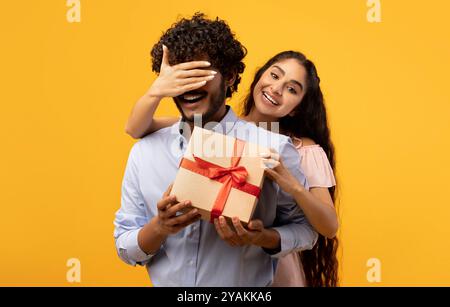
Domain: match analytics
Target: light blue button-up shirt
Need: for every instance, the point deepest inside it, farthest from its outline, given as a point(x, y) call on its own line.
point(197, 256)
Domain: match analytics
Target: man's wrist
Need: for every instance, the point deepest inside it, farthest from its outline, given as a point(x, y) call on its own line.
point(156, 226)
point(152, 94)
point(151, 237)
point(269, 239)
point(272, 244)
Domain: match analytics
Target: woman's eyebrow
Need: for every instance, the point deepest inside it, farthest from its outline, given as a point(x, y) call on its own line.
point(283, 72)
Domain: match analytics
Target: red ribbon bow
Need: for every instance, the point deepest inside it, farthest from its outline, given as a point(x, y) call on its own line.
point(238, 174)
point(232, 177)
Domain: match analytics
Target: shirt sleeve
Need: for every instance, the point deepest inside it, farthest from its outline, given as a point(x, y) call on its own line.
point(131, 216)
point(295, 231)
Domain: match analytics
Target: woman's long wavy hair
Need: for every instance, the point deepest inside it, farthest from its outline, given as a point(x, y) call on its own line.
point(309, 120)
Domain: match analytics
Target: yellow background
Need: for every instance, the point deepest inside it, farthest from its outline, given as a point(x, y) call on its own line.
point(67, 90)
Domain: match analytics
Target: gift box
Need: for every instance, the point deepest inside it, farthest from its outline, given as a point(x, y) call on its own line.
point(220, 175)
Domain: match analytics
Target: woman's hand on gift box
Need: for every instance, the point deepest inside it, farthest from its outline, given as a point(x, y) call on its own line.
point(240, 236)
point(277, 172)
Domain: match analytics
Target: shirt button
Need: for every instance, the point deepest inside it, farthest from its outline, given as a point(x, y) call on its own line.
point(191, 262)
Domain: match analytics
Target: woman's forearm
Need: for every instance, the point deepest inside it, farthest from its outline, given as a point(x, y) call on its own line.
point(321, 214)
point(141, 118)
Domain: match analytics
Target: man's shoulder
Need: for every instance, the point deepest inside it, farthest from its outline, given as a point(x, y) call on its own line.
point(161, 135)
point(154, 141)
point(261, 135)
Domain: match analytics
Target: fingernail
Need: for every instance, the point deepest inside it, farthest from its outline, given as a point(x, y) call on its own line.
point(210, 77)
point(207, 63)
point(213, 72)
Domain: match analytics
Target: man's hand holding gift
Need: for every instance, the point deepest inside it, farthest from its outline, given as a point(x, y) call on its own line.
point(173, 216)
point(253, 234)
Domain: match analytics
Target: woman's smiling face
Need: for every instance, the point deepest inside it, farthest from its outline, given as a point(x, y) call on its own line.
point(280, 88)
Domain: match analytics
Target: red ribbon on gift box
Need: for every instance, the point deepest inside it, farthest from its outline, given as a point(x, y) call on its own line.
point(232, 177)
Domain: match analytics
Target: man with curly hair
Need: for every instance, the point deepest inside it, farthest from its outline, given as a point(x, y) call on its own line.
point(165, 233)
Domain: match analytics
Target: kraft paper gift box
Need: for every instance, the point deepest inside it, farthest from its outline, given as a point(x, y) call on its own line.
point(220, 175)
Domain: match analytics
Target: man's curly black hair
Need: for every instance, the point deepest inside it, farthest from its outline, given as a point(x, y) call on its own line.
point(191, 39)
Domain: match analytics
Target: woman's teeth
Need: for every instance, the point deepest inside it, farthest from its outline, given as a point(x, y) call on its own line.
point(270, 99)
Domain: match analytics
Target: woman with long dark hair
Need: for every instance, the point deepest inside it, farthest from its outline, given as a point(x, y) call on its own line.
point(286, 90)
point(305, 121)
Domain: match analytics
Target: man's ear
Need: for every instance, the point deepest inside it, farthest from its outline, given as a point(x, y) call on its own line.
point(229, 81)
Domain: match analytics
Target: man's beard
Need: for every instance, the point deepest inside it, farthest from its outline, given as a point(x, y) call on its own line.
point(216, 101)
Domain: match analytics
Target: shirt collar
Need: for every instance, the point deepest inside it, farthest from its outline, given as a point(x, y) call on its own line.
point(227, 123)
